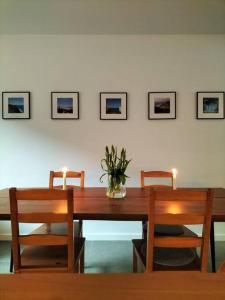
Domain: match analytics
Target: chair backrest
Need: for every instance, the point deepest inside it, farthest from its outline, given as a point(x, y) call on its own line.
point(69, 174)
point(42, 198)
point(156, 174)
point(182, 207)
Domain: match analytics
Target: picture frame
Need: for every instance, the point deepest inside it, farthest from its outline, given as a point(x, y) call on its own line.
point(15, 105)
point(113, 106)
point(65, 105)
point(161, 105)
point(210, 105)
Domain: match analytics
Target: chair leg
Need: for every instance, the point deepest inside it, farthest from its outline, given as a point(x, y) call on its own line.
point(81, 263)
point(212, 246)
point(77, 267)
point(143, 232)
point(48, 226)
point(81, 226)
point(11, 262)
point(134, 261)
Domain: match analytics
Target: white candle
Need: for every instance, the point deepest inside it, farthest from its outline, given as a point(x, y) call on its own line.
point(174, 171)
point(64, 177)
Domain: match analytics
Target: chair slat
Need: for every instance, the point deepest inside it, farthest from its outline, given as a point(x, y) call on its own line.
point(178, 242)
point(60, 187)
point(69, 174)
point(42, 218)
point(179, 219)
point(158, 186)
point(40, 239)
point(157, 174)
point(181, 195)
point(41, 194)
point(35, 269)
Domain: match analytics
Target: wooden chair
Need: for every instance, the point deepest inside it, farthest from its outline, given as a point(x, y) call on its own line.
point(70, 174)
point(156, 174)
point(44, 252)
point(195, 208)
point(59, 228)
point(78, 225)
point(160, 229)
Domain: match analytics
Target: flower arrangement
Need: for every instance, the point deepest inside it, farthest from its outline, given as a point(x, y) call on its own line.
point(115, 166)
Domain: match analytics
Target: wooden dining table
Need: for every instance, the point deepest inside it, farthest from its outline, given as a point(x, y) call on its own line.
point(91, 203)
point(142, 286)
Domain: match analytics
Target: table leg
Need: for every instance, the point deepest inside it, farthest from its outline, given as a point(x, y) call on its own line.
point(212, 246)
point(11, 261)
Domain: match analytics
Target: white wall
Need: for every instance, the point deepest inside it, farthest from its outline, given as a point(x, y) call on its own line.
point(93, 63)
point(112, 17)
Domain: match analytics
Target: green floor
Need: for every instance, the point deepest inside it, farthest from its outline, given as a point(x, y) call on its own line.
point(103, 256)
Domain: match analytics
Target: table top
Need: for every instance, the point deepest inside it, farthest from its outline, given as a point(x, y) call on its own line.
point(92, 204)
point(154, 286)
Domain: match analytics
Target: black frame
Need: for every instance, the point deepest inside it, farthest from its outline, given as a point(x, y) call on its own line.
point(197, 107)
point(29, 105)
point(78, 105)
point(175, 106)
point(105, 93)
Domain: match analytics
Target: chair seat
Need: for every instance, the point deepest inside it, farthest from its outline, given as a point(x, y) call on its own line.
point(51, 256)
point(170, 258)
point(186, 260)
point(176, 257)
point(56, 228)
point(172, 230)
point(59, 228)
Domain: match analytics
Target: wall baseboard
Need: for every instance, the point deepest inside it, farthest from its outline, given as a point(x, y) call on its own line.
point(111, 237)
point(5, 237)
point(220, 237)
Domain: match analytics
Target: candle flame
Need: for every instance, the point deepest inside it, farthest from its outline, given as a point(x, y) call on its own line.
point(64, 169)
point(174, 171)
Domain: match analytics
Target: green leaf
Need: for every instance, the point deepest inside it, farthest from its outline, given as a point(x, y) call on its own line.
point(114, 166)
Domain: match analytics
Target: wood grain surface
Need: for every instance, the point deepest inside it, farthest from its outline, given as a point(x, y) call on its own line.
point(158, 285)
point(93, 204)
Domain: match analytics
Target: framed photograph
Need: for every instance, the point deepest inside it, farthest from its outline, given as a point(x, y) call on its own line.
point(16, 105)
point(210, 105)
point(113, 106)
point(161, 105)
point(65, 105)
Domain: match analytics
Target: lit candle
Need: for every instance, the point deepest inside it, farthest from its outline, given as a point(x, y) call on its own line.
point(64, 177)
point(174, 171)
